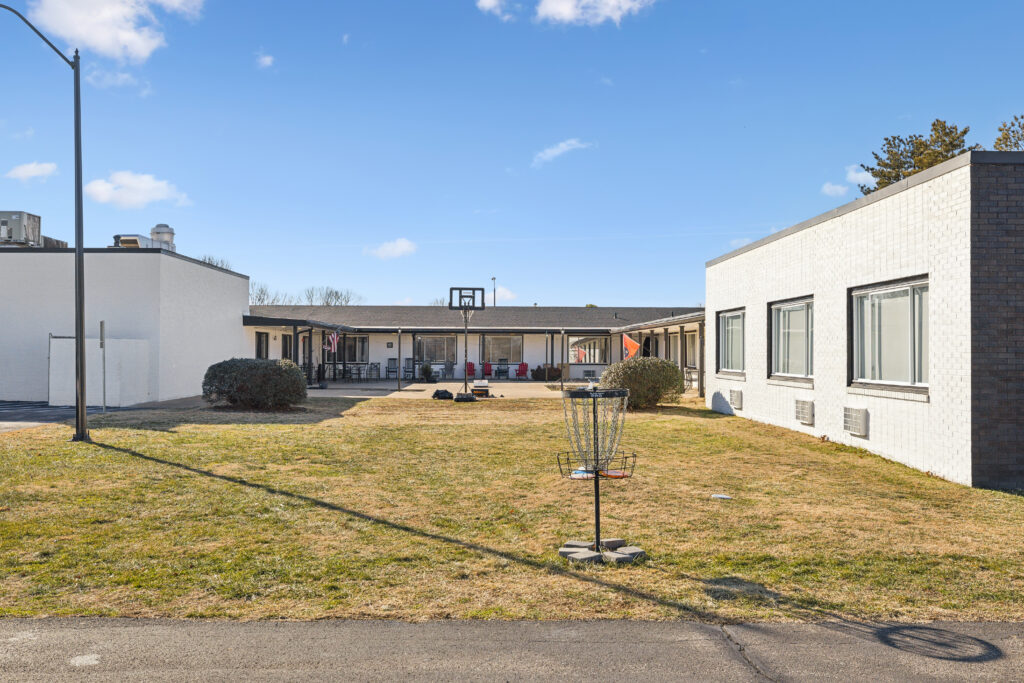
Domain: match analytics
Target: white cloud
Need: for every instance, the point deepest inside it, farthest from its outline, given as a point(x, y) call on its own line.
point(554, 151)
point(495, 7)
point(110, 79)
point(393, 249)
point(344, 39)
point(264, 61)
point(24, 134)
point(504, 294)
point(607, 81)
point(833, 190)
point(31, 170)
point(856, 174)
point(128, 190)
point(589, 12)
point(120, 29)
point(740, 242)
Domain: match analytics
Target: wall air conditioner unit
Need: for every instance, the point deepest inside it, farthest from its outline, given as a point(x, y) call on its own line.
point(736, 399)
point(855, 421)
point(804, 412)
point(589, 374)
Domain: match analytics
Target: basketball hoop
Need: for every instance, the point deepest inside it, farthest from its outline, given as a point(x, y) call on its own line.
point(594, 419)
point(467, 300)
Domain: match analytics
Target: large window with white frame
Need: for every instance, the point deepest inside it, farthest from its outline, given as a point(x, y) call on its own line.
point(435, 348)
point(691, 350)
point(730, 340)
point(792, 338)
point(890, 333)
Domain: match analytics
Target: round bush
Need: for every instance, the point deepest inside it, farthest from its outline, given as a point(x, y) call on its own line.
point(255, 383)
point(649, 380)
point(546, 373)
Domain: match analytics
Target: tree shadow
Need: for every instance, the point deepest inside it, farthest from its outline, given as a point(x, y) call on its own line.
point(925, 640)
point(699, 413)
point(550, 567)
point(168, 419)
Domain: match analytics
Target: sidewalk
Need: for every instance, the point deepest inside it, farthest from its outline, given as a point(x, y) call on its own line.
point(116, 649)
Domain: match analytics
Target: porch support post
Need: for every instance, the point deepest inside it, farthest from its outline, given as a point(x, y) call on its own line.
point(700, 360)
point(562, 366)
point(309, 357)
point(295, 345)
point(399, 372)
point(344, 356)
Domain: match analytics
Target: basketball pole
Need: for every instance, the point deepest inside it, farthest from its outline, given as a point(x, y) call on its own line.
point(465, 351)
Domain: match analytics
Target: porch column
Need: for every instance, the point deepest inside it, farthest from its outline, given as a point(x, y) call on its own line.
point(399, 373)
point(666, 352)
point(344, 356)
point(681, 360)
point(700, 359)
point(295, 345)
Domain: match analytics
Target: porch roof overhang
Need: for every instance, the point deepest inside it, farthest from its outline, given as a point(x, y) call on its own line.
point(264, 321)
point(662, 323)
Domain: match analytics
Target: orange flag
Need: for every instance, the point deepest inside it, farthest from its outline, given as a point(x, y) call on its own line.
point(631, 347)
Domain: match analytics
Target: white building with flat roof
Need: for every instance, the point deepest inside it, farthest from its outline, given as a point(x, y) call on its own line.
point(894, 323)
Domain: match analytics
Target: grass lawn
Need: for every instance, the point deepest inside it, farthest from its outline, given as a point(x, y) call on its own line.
point(419, 509)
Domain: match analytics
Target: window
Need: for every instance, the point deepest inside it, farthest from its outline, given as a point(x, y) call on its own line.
point(691, 350)
point(588, 350)
point(286, 346)
point(890, 334)
point(730, 341)
point(793, 338)
point(673, 348)
point(435, 349)
point(262, 344)
point(503, 349)
point(356, 349)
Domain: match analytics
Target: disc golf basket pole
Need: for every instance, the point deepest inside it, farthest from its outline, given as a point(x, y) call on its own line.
point(593, 420)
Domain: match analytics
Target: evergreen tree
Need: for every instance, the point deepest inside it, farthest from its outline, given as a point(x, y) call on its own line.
point(1011, 136)
point(902, 157)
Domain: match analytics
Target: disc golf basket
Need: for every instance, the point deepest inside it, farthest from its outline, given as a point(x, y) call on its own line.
point(594, 419)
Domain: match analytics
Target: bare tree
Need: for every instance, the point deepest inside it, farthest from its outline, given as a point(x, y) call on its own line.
point(439, 301)
point(329, 296)
point(216, 261)
point(260, 295)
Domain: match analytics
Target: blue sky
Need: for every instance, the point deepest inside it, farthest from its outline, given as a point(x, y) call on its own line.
point(580, 151)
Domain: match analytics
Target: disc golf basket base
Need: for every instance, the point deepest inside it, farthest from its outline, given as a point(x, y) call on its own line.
point(594, 419)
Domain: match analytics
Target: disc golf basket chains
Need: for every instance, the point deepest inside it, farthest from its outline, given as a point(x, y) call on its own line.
point(594, 419)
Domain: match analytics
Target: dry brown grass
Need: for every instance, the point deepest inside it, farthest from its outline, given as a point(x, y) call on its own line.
point(421, 509)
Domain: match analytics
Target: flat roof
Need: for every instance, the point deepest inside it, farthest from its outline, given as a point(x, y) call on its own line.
point(663, 322)
point(966, 159)
point(117, 250)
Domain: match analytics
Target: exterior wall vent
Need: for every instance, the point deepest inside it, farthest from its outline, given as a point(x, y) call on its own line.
point(855, 421)
point(804, 412)
point(736, 399)
point(589, 374)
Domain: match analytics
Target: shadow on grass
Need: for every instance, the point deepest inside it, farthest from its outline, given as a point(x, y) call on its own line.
point(168, 419)
point(683, 411)
point(927, 641)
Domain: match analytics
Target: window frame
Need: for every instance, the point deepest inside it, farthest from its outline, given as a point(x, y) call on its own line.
point(419, 346)
point(911, 285)
point(485, 353)
point(688, 361)
point(605, 338)
point(807, 302)
point(262, 345)
point(720, 317)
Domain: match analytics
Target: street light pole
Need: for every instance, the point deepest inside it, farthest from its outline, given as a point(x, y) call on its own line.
point(494, 290)
point(81, 418)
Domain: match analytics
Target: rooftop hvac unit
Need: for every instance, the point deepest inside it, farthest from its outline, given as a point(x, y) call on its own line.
point(855, 421)
point(736, 399)
point(18, 227)
point(804, 412)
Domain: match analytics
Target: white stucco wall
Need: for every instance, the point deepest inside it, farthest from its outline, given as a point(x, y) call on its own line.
point(189, 314)
point(127, 372)
point(923, 229)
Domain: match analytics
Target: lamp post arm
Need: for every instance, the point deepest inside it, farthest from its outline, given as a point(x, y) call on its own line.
point(38, 33)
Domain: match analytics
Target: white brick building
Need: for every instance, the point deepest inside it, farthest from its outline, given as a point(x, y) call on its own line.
point(905, 306)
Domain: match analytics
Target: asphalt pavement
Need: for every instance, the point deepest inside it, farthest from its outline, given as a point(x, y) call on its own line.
point(162, 650)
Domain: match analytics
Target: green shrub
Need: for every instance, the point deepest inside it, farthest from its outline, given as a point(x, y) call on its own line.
point(255, 383)
point(649, 380)
point(426, 372)
point(546, 373)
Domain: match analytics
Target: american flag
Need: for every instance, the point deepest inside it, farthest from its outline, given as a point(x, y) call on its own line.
point(332, 342)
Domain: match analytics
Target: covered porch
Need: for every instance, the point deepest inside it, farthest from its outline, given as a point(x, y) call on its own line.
point(679, 339)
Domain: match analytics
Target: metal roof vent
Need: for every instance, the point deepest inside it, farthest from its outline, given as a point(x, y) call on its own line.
point(163, 235)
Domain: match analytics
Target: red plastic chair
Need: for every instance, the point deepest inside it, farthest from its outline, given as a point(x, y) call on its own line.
point(470, 369)
point(487, 369)
point(524, 368)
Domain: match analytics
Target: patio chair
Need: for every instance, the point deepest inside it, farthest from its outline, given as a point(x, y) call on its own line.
point(391, 370)
point(374, 371)
point(523, 370)
point(409, 372)
point(470, 369)
point(487, 369)
point(449, 370)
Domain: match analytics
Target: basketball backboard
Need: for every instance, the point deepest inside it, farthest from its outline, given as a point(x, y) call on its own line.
point(466, 298)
